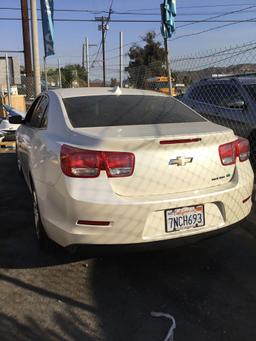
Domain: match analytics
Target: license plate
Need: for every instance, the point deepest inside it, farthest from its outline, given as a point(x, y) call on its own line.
point(184, 218)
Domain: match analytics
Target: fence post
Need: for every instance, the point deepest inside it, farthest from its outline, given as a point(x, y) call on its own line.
point(45, 74)
point(60, 78)
point(121, 60)
point(87, 62)
point(8, 79)
point(168, 66)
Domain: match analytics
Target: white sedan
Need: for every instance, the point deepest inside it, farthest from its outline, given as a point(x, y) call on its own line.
point(109, 166)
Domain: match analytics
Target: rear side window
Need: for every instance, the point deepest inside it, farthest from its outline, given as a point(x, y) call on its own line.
point(216, 94)
point(200, 93)
point(39, 112)
point(102, 111)
point(251, 89)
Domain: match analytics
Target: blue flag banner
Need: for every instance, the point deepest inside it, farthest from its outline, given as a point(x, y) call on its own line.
point(47, 11)
point(168, 14)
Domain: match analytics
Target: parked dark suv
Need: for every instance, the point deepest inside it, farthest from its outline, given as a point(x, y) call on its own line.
point(229, 101)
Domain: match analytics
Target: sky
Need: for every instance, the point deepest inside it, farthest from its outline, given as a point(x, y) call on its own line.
point(69, 36)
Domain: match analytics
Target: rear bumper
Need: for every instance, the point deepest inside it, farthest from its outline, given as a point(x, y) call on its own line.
point(137, 220)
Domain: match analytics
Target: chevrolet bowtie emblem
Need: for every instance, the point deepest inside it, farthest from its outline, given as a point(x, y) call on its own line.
point(180, 161)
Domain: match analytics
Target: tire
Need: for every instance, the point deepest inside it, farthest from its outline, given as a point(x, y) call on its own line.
point(43, 240)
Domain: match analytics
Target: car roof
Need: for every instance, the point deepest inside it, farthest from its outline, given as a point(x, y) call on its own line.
point(240, 79)
point(80, 92)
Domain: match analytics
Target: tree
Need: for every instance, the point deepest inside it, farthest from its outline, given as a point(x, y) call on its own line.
point(147, 61)
point(73, 75)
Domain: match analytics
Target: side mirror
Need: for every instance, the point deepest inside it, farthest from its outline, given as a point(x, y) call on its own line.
point(240, 104)
point(17, 119)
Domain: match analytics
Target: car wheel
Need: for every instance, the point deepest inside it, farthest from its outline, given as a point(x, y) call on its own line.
point(41, 236)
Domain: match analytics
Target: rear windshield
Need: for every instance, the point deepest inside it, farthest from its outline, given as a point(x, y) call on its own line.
point(103, 111)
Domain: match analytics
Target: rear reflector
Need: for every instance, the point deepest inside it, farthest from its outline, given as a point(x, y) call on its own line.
point(180, 141)
point(93, 222)
point(81, 163)
point(230, 151)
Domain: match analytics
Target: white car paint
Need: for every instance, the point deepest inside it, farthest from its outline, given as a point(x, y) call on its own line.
point(135, 205)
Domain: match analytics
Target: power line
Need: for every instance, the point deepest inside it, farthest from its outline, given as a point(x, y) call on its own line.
point(212, 17)
point(138, 21)
point(221, 52)
point(135, 11)
point(217, 5)
point(224, 59)
point(104, 35)
point(194, 6)
point(221, 15)
point(61, 10)
point(212, 29)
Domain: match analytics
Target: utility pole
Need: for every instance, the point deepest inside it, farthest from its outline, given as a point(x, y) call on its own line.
point(168, 66)
point(45, 74)
point(35, 48)
point(8, 78)
point(83, 54)
point(26, 37)
point(103, 28)
point(121, 60)
point(86, 59)
point(87, 62)
point(168, 14)
point(60, 77)
point(103, 50)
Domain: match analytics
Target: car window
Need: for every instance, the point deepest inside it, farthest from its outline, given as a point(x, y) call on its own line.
point(100, 111)
point(44, 121)
point(200, 93)
point(251, 89)
point(38, 113)
point(227, 94)
point(31, 109)
point(216, 94)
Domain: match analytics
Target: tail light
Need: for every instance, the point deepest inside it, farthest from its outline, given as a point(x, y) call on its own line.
point(243, 149)
point(81, 163)
point(230, 151)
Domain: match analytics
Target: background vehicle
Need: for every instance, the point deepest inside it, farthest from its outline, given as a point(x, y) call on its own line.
point(160, 84)
point(7, 130)
point(122, 167)
point(229, 101)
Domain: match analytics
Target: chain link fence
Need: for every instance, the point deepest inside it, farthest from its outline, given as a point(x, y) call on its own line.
point(219, 84)
point(198, 177)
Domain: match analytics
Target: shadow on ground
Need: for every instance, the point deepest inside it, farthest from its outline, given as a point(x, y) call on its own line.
point(18, 248)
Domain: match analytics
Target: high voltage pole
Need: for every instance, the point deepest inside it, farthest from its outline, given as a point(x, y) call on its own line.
point(103, 28)
point(26, 37)
point(35, 48)
point(103, 50)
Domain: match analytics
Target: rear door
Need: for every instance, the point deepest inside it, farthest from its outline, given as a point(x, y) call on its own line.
point(226, 95)
point(35, 121)
point(202, 98)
